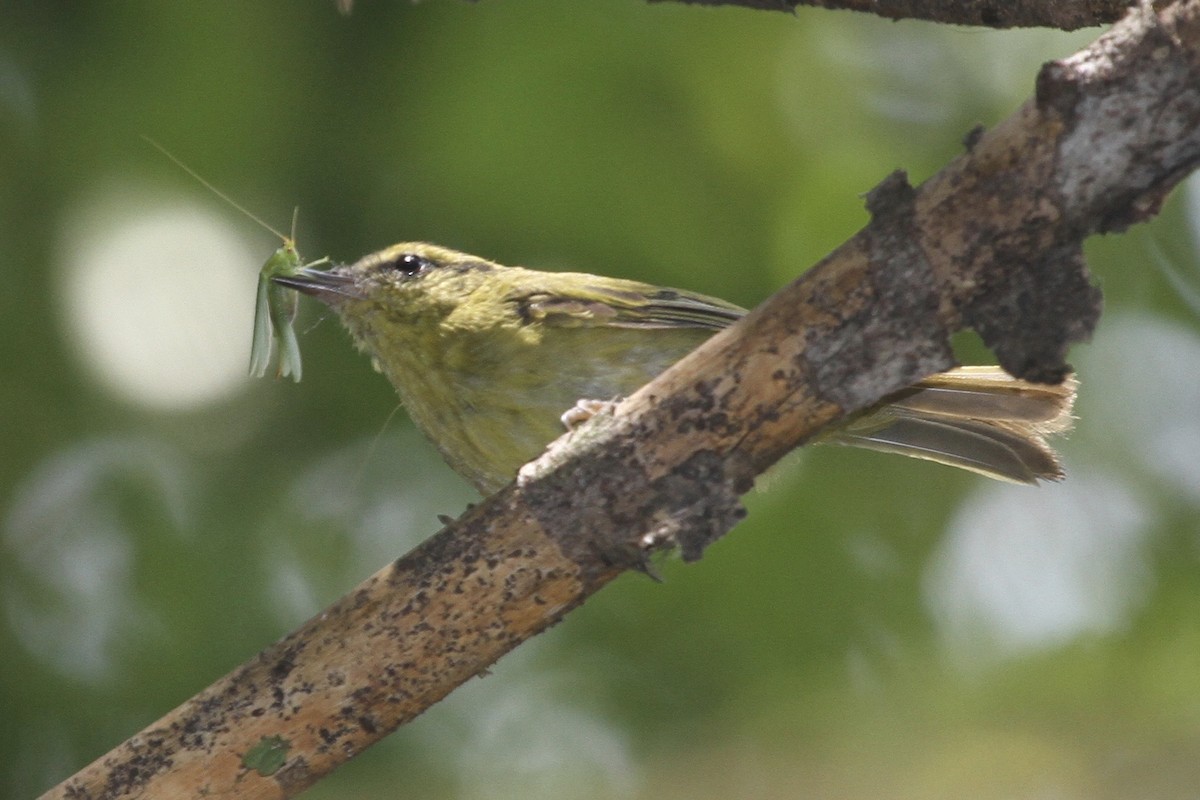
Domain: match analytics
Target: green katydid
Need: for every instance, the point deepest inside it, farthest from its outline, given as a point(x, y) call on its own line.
point(275, 306)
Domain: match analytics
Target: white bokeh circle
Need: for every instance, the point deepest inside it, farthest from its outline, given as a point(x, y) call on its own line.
point(158, 298)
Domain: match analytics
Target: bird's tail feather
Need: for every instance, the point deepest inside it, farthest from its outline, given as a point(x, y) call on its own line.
point(976, 418)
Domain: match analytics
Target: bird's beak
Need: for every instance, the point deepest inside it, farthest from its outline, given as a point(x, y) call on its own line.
point(329, 286)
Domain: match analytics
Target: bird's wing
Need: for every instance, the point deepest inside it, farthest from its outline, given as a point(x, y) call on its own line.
point(626, 304)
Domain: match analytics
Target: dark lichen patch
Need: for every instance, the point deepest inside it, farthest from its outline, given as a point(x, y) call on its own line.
point(1030, 320)
point(702, 500)
point(284, 666)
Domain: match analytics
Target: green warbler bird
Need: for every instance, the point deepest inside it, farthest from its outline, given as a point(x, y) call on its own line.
point(490, 361)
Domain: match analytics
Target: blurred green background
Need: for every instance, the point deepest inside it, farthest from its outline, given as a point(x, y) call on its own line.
point(876, 628)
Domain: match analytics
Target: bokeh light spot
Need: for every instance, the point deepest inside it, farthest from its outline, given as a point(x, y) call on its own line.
point(1025, 568)
point(158, 298)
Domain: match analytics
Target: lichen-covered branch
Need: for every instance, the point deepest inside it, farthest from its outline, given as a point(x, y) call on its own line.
point(1066, 16)
point(991, 242)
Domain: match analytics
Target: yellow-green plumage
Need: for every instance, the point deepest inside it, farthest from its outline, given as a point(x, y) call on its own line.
point(487, 359)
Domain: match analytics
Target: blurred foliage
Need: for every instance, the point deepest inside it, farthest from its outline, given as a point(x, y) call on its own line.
point(877, 627)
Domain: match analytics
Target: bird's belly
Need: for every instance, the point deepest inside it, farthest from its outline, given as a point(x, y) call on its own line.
point(501, 429)
point(489, 411)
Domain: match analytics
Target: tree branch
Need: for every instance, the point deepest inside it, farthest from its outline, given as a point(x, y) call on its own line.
point(1067, 16)
point(992, 242)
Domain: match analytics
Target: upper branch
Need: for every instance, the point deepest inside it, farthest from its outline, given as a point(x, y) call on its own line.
point(987, 13)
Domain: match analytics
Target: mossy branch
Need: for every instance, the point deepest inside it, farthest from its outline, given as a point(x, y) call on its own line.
point(992, 242)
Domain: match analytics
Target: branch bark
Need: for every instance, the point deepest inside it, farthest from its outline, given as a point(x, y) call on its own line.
point(991, 242)
point(986, 13)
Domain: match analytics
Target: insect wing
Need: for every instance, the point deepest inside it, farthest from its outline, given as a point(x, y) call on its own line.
point(283, 304)
point(260, 347)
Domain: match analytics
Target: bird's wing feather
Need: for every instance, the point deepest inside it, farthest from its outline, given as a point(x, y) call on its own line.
point(627, 304)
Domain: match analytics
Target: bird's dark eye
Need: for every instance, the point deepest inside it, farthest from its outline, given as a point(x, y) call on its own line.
point(409, 264)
